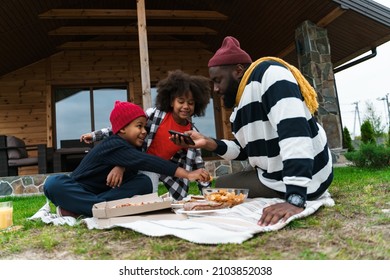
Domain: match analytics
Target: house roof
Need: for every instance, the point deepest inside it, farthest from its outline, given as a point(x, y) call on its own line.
point(33, 30)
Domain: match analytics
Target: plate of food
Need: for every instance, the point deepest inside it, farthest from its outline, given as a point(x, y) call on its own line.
point(215, 200)
point(229, 197)
point(190, 198)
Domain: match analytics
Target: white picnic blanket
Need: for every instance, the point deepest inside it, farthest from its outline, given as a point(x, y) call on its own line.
point(234, 226)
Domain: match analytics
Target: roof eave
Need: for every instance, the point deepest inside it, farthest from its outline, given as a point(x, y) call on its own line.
point(368, 8)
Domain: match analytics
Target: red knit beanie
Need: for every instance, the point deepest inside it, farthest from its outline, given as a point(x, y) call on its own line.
point(123, 114)
point(229, 53)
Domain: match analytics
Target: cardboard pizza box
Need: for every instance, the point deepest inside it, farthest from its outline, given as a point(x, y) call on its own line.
point(131, 206)
point(164, 214)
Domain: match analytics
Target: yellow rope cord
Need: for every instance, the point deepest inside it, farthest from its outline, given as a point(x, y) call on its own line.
point(308, 92)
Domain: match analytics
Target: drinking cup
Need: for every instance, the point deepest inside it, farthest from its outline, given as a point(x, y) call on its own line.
point(6, 210)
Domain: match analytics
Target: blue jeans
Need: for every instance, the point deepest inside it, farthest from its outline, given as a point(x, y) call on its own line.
point(65, 192)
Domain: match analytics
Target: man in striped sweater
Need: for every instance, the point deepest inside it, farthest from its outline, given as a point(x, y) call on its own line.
point(274, 128)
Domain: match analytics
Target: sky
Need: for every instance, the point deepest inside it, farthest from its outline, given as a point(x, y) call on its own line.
point(365, 82)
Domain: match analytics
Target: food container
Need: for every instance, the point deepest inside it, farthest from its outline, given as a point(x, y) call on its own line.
point(230, 196)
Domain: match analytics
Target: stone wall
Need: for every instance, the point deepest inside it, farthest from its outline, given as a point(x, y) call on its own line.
point(222, 167)
point(22, 185)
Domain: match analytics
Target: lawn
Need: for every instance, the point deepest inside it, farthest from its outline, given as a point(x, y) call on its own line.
point(356, 228)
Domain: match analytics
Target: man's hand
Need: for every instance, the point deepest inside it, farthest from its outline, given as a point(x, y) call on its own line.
point(200, 140)
point(276, 212)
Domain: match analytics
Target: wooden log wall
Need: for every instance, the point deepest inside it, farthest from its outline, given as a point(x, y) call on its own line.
point(23, 106)
point(25, 94)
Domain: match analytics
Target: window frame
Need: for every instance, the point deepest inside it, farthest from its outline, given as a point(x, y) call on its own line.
point(90, 89)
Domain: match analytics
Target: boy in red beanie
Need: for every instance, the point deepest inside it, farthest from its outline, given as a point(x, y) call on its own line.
point(75, 195)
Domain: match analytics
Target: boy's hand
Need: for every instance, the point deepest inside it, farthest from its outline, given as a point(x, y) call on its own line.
point(114, 178)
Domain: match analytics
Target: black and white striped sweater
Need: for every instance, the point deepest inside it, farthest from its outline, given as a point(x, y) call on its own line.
point(276, 132)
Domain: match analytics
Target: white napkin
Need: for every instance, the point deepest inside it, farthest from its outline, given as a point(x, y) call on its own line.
point(45, 216)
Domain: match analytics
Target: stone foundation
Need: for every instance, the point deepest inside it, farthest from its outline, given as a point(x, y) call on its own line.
point(222, 167)
point(22, 185)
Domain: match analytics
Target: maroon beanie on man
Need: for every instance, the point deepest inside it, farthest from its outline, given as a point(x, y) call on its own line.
point(123, 114)
point(229, 53)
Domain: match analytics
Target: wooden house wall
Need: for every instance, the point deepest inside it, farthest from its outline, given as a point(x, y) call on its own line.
point(25, 94)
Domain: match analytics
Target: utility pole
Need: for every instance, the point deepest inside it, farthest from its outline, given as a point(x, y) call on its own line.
point(387, 105)
point(357, 114)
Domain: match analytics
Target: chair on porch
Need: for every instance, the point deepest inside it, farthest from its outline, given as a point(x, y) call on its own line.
point(14, 154)
point(69, 156)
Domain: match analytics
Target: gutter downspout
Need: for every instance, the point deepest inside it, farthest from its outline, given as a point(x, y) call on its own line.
point(338, 69)
point(343, 67)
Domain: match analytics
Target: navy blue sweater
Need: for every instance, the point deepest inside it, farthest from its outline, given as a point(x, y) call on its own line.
point(115, 151)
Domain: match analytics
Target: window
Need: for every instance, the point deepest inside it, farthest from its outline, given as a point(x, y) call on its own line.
point(81, 110)
point(206, 124)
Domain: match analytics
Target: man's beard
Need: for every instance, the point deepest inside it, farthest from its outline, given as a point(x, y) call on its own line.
point(229, 97)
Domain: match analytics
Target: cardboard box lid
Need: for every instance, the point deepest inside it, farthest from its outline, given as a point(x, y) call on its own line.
point(165, 214)
point(146, 203)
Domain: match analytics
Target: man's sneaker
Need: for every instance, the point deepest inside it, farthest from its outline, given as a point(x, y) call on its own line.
point(61, 212)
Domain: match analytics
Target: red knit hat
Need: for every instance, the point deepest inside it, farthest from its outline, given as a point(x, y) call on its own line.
point(123, 114)
point(229, 53)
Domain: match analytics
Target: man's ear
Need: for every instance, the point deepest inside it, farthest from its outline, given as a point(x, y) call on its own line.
point(239, 71)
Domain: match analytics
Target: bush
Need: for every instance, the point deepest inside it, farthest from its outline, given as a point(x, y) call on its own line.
point(370, 155)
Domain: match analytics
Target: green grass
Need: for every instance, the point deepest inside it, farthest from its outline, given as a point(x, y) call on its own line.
point(355, 228)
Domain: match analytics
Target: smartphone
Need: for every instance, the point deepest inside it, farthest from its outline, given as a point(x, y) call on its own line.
point(187, 139)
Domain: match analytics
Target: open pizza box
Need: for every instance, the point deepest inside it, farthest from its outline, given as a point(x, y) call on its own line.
point(148, 207)
point(164, 214)
point(131, 206)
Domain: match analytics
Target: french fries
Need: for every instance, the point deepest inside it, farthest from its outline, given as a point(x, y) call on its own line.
point(228, 197)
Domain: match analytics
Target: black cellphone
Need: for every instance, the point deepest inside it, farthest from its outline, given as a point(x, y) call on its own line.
point(187, 139)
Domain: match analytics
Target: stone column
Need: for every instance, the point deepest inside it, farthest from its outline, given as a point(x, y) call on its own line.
point(314, 57)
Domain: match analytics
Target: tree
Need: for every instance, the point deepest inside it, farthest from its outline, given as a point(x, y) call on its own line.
point(367, 132)
point(347, 140)
point(388, 138)
point(375, 120)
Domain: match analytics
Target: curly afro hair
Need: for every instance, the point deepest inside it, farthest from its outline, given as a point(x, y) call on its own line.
point(177, 84)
